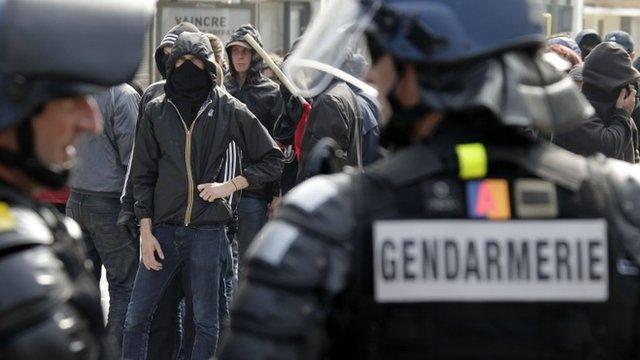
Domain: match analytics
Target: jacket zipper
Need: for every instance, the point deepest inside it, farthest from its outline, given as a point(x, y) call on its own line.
point(187, 158)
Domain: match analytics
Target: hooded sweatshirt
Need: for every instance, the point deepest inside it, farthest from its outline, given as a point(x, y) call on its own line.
point(171, 158)
point(152, 91)
point(610, 131)
point(261, 95)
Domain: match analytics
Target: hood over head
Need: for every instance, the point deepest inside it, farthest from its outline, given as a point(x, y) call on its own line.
point(196, 44)
point(608, 68)
point(168, 40)
point(237, 38)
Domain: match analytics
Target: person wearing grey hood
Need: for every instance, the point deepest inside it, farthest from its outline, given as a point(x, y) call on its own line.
point(610, 85)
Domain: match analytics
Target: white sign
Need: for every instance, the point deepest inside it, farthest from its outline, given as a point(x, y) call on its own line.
point(470, 260)
point(218, 21)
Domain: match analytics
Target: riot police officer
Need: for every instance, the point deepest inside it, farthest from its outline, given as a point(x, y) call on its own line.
point(474, 241)
point(54, 54)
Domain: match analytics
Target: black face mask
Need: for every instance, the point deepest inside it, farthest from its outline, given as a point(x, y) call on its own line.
point(188, 82)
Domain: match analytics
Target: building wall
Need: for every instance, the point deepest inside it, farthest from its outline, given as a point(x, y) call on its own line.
point(280, 22)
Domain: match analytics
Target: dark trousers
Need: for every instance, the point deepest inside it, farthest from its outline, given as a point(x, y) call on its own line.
point(106, 246)
point(166, 329)
point(252, 215)
point(228, 281)
point(196, 252)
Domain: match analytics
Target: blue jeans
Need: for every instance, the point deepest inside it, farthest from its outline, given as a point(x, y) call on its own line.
point(252, 215)
point(196, 252)
point(97, 215)
point(228, 281)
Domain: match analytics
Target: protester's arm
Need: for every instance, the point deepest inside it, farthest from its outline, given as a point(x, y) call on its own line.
point(266, 159)
point(276, 187)
point(611, 137)
point(125, 115)
point(144, 168)
point(325, 120)
point(127, 199)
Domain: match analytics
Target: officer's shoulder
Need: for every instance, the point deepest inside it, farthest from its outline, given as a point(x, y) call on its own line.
point(624, 181)
point(21, 226)
point(323, 204)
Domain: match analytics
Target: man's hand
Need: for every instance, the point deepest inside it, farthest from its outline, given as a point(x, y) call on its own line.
point(212, 191)
point(274, 205)
point(150, 246)
point(627, 100)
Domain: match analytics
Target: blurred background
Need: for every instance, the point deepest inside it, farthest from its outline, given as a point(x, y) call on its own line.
point(280, 22)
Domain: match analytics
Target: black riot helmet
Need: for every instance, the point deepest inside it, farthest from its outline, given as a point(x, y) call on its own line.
point(470, 55)
point(62, 48)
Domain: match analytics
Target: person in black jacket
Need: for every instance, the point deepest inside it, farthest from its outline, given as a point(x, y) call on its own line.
point(610, 85)
point(336, 114)
point(179, 150)
point(166, 328)
point(165, 332)
point(262, 96)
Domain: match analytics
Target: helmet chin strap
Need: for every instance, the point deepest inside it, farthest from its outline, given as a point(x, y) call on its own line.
point(26, 160)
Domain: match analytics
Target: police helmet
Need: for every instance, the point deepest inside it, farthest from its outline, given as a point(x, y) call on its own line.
point(62, 48)
point(58, 48)
point(469, 53)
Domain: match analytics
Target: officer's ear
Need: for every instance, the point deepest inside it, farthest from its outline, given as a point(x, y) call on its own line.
point(408, 90)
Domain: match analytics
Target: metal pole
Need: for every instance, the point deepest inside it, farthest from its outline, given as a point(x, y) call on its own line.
point(578, 16)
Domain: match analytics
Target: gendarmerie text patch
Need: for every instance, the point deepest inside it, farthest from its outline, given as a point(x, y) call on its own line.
point(471, 260)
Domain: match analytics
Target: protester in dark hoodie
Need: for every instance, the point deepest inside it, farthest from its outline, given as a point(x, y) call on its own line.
point(179, 151)
point(262, 96)
point(165, 331)
point(610, 85)
point(336, 114)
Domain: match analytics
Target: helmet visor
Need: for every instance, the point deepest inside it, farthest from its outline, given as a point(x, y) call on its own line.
point(328, 48)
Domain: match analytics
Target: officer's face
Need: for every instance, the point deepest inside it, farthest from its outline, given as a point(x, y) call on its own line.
point(58, 125)
point(384, 76)
point(241, 58)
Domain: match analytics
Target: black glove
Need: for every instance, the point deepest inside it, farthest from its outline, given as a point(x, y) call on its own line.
point(294, 109)
point(128, 225)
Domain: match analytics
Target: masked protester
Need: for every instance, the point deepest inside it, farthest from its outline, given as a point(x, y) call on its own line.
point(167, 325)
point(50, 307)
point(472, 241)
point(179, 150)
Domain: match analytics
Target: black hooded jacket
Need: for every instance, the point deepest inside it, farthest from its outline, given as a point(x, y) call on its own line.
point(262, 97)
point(151, 92)
point(610, 131)
point(170, 160)
point(335, 114)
